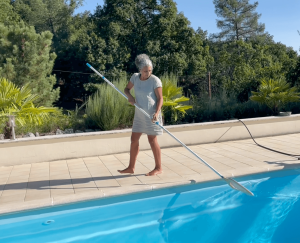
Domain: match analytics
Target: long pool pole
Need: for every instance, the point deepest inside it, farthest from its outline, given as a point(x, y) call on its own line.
point(157, 123)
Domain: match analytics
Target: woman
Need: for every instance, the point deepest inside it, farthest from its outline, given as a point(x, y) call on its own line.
point(148, 92)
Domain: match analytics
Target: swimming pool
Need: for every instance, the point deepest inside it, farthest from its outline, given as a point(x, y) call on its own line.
point(207, 212)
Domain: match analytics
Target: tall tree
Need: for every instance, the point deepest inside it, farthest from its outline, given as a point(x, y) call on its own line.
point(25, 59)
point(240, 66)
point(239, 21)
point(54, 16)
point(83, 45)
point(7, 13)
point(74, 42)
point(131, 27)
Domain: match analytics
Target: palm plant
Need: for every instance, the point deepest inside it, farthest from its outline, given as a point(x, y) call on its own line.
point(276, 94)
point(20, 103)
point(173, 98)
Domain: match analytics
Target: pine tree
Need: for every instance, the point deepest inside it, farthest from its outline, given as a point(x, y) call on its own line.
point(7, 13)
point(55, 16)
point(25, 58)
point(239, 21)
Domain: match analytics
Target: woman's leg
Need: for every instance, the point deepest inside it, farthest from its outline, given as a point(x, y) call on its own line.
point(134, 150)
point(157, 155)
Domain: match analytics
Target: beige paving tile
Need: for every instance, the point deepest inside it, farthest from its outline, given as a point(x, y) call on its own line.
point(100, 174)
point(169, 175)
point(59, 169)
point(107, 158)
point(39, 171)
point(4, 177)
point(60, 172)
point(74, 161)
point(99, 167)
point(6, 168)
point(42, 164)
point(62, 192)
point(122, 156)
point(78, 170)
point(113, 164)
point(22, 167)
point(131, 180)
point(3, 180)
point(80, 175)
point(19, 173)
point(82, 196)
point(14, 192)
point(149, 180)
point(37, 195)
point(92, 168)
point(192, 177)
point(4, 174)
point(86, 190)
point(95, 166)
point(18, 198)
point(38, 178)
point(95, 158)
point(182, 170)
point(199, 168)
point(106, 183)
point(39, 174)
point(60, 177)
point(17, 179)
point(76, 165)
point(57, 162)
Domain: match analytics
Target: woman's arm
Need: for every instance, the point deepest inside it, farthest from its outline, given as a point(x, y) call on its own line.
point(131, 99)
point(160, 100)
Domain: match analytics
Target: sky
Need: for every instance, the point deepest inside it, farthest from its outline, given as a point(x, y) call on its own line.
point(281, 18)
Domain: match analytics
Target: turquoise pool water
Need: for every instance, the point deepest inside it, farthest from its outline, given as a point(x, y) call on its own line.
point(208, 212)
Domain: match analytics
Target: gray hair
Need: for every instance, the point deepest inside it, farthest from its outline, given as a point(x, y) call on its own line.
point(142, 61)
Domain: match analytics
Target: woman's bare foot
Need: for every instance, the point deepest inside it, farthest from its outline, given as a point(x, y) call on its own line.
point(126, 171)
point(154, 172)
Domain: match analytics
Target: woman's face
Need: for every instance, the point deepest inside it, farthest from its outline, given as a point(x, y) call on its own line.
point(146, 72)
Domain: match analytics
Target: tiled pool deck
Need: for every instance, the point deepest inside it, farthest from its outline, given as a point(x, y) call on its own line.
point(52, 183)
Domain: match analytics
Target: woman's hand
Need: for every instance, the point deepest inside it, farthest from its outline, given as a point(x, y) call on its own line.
point(155, 117)
point(131, 100)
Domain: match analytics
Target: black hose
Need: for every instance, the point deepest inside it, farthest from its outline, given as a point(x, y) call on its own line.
point(273, 150)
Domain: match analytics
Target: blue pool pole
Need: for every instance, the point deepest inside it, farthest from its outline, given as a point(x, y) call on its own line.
point(232, 183)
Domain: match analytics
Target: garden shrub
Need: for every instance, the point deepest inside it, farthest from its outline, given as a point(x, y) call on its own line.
point(107, 109)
